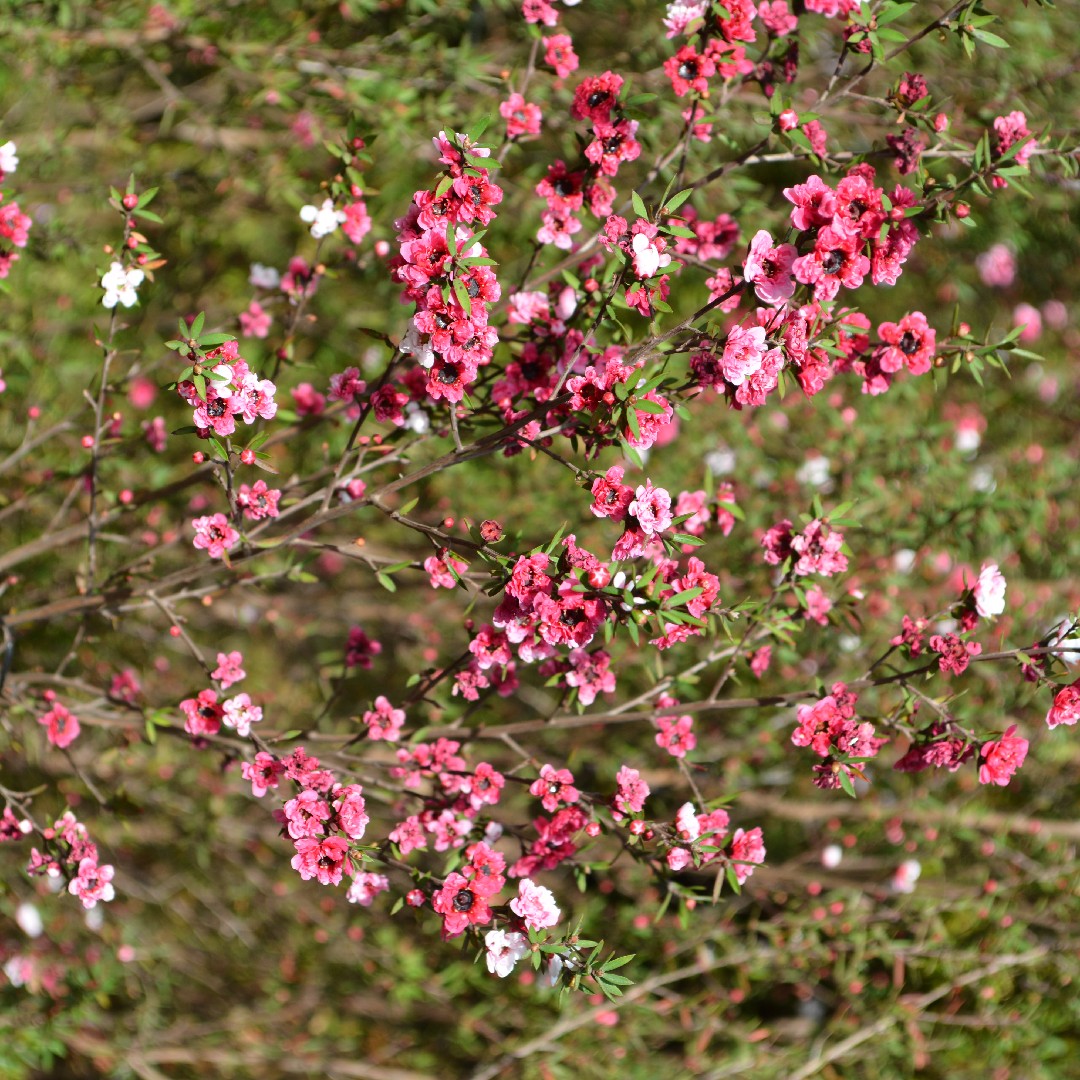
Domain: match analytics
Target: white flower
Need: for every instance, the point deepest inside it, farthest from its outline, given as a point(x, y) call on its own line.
point(412, 344)
point(28, 917)
point(647, 257)
point(504, 951)
point(814, 472)
point(264, 277)
point(323, 219)
point(990, 591)
point(831, 856)
point(120, 285)
point(686, 822)
point(8, 161)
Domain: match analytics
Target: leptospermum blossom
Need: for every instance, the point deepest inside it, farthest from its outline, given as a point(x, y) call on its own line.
point(92, 883)
point(1066, 706)
point(214, 534)
point(323, 219)
point(768, 269)
point(120, 285)
point(652, 508)
point(504, 950)
point(1000, 758)
point(648, 258)
point(990, 591)
point(238, 713)
point(322, 859)
point(384, 721)
point(61, 726)
point(365, 887)
point(229, 669)
point(535, 905)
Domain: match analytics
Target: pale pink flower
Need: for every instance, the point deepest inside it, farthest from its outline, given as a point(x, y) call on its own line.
point(990, 591)
point(744, 352)
point(535, 905)
point(92, 883)
point(365, 887)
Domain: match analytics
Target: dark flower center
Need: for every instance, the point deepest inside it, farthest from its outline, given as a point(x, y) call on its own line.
point(216, 408)
point(597, 97)
point(463, 901)
point(447, 375)
point(563, 186)
point(909, 343)
point(572, 617)
point(688, 70)
point(832, 262)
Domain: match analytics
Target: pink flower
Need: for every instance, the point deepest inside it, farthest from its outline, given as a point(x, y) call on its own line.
point(559, 54)
point(351, 810)
point(384, 721)
point(263, 773)
point(62, 726)
point(1066, 706)
point(768, 269)
point(460, 905)
point(990, 591)
point(675, 735)
point(554, 788)
point(652, 508)
point(359, 649)
point(228, 670)
point(365, 887)
point(258, 501)
point(321, 859)
point(357, 223)
point(439, 570)
point(522, 118)
point(255, 322)
point(214, 534)
point(92, 883)
point(747, 847)
point(305, 815)
point(632, 791)
point(504, 950)
point(203, 713)
point(744, 352)
point(535, 905)
point(1000, 758)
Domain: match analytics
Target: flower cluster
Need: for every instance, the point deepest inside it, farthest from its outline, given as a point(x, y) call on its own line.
point(230, 390)
point(14, 224)
point(447, 274)
point(830, 728)
point(70, 853)
point(204, 714)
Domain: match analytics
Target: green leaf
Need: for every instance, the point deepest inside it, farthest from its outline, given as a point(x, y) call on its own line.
point(611, 965)
point(846, 782)
point(990, 39)
point(639, 205)
point(678, 199)
point(386, 581)
point(197, 325)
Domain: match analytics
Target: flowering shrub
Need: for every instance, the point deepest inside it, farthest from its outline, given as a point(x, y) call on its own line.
point(594, 506)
